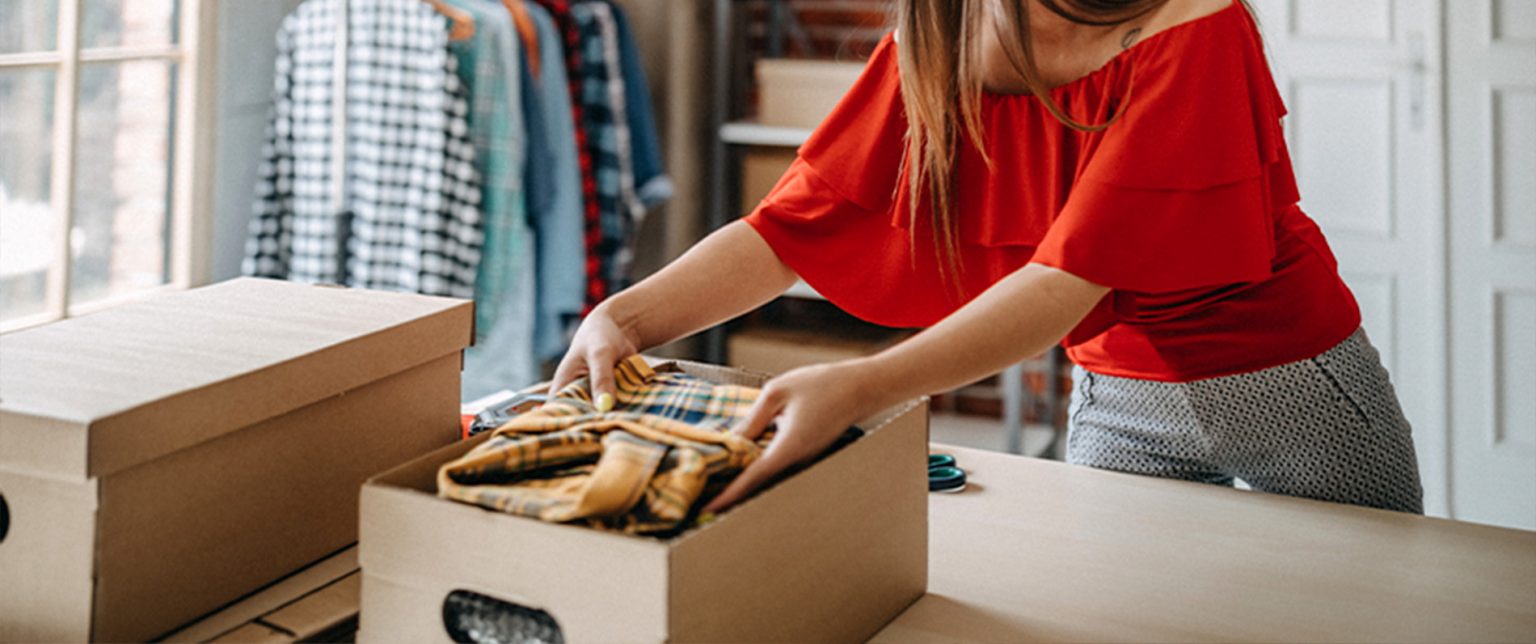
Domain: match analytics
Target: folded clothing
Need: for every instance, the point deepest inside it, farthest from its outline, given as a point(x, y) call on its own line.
point(638, 469)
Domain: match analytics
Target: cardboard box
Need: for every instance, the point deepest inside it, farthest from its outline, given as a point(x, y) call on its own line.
point(761, 169)
point(777, 350)
point(801, 93)
point(318, 603)
point(829, 554)
point(163, 458)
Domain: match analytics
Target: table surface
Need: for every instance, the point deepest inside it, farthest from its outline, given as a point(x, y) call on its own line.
point(1038, 550)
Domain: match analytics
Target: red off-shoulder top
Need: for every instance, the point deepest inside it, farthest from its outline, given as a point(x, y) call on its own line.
point(1185, 207)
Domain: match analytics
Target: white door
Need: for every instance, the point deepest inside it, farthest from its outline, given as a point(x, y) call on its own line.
point(1361, 79)
point(1491, 109)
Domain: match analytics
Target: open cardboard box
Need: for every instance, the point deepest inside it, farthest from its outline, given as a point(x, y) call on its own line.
point(163, 458)
point(831, 553)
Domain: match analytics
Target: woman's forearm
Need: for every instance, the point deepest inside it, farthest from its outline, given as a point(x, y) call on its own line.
point(728, 273)
point(1020, 316)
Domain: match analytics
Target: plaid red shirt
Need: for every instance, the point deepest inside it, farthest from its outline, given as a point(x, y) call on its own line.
point(597, 289)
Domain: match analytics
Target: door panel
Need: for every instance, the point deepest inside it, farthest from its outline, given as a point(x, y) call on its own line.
point(1342, 147)
point(1363, 19)
point(1514, 119)
point(1491, 110)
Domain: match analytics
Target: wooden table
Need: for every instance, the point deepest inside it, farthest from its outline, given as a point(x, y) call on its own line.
point(1038, 550)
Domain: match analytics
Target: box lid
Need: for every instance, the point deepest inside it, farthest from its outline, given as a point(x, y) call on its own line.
point(92, 395)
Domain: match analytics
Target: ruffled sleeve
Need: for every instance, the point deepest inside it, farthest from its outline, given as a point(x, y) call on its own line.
point(1182, 192)
point(1177, 197)
point(828, 218)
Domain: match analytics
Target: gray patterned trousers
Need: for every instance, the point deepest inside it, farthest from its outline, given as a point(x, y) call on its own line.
point(1328, 427)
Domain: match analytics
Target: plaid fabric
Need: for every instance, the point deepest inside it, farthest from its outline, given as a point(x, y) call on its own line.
point(411, 221)
point(560, 10)
point(603, 98)
point(554, 195)
point(492, 59)
point(502, 355)
point(637, 469)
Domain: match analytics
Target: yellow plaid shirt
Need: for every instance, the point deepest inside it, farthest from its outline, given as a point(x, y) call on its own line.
point(637, 469)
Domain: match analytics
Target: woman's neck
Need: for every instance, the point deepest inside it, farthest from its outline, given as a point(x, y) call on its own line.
point(1064, 50)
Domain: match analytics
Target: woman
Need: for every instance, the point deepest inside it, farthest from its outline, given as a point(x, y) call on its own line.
point(1109, 174)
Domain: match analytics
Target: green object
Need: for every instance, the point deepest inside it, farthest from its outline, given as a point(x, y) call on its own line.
point(940, 460)
point(946, 478)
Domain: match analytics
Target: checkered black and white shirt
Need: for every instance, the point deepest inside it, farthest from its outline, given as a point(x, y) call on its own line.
point(412, 218)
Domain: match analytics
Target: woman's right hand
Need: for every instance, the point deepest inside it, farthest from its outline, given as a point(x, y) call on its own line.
point(730, 272)
point(600, 343)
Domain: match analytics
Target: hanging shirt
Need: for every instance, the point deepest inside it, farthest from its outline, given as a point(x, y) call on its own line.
point(527, 31)
point(623, 135)
point(1185, 207)
point(596, 286)
point(411, 221)
point(652, 186)
point(553, 187)
point(491, 60)
point(638, 468)
point(607, 127)
point(490, 63)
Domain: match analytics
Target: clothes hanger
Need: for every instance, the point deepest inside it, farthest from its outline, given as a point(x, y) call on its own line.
point(528, 32)
point(463, 24)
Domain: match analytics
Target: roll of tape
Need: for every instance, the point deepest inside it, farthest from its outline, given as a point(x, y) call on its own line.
point(946, 478)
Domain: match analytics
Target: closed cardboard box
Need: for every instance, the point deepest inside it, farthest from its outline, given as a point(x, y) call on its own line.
point(761, 169)
point(777, 350)
point(831, 553)
point(801, 93)
point(163, 458)
point(316, 604)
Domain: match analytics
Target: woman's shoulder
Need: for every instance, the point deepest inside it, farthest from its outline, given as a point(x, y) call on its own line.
point(1220, 47)
point(1174, 13)
point(1198, 23)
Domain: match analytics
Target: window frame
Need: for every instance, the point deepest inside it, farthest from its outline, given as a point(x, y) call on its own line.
point(189, 246)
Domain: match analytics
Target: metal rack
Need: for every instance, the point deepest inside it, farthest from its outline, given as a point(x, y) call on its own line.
point(730, 134)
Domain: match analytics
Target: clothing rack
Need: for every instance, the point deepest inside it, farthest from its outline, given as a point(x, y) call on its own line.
point(325, 232)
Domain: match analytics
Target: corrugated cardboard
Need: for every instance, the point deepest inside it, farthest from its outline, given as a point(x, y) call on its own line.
point(761, 169)
point(254, 633)
point(320, 611)
point(291, 590)
point(805, 560)
point(777, 349)
point(163, 458)
point(801, 93)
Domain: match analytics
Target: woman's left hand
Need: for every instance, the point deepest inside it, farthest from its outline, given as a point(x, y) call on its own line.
point(812, 406)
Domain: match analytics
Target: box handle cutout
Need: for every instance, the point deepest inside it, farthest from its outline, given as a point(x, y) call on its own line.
point(472, 617)
point(5, 519)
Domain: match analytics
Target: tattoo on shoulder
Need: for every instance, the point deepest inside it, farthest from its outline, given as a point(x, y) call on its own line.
point(1130, 38)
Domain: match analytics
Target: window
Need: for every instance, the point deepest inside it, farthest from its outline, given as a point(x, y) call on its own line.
point(98, 142)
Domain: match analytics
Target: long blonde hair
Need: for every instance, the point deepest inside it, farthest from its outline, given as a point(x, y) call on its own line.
point(941, 88)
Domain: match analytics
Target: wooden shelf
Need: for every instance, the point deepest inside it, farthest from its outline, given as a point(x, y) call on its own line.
point(750, 133)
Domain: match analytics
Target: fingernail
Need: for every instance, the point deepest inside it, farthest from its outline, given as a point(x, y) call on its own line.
point(605, 402)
